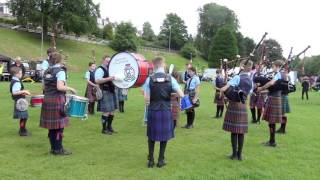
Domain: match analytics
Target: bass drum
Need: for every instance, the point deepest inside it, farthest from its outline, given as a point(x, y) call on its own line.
point(129, 69)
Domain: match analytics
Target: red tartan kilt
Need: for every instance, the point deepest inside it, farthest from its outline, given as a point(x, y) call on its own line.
point(253, 100)
point(53, 115)
point(90, 94)
point(273, 110)
point(217, 100)
point(236, 118)
point(175, 107)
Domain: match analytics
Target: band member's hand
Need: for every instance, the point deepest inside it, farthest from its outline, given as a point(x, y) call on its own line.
point(73, 91)
point(220, 95)
point(194, 100)
point(26, 92)
point(259, 89)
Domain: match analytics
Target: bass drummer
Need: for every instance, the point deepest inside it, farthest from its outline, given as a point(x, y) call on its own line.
point(108, 104)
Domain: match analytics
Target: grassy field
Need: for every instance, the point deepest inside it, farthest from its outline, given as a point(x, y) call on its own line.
point(199, 153)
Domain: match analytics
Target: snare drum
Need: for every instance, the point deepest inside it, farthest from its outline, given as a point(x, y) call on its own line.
point(77, 106)
point(36, 101)
point(129, 69)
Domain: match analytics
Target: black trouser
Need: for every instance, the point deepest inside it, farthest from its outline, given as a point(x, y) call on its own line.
point(305, 91)
point(121, 106)
point(190, 116)
point(55, 138)
point(219, 111)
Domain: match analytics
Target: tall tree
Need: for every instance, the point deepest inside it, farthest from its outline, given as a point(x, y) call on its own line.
point(78, 16)
point(125, 38)
point(224, 45)
point(273, 50)
point(174, 30)
point(147, 32)
point(108, 31)
point(213, 16)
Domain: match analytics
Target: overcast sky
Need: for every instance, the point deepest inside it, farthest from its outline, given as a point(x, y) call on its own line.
point(293, 23)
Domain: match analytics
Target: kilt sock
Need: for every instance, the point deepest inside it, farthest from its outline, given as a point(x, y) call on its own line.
point(283, 124)
point(110, 119)
point(272, 128)
point(234, 144)
point(221, 110)
point(240, 144)
point(259, 114)
point(23, 123)
point(189, 114)
point(51, 139)
point(253, 114)
point(218, 111)
point(104, 120)
point(163, 145)
point(121, 106)
point(151, 149)
point(59, 138)
point(193, 114)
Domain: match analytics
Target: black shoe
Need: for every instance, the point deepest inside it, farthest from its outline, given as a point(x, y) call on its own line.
point(280, 131)
point(274, 144)
point(150, 162)
point(161, 163)
point(239, 156)
point(112, 130)
point(232, 156)
point(62, 152)
point(186, 126)
point(24, 132)
point(106, 131)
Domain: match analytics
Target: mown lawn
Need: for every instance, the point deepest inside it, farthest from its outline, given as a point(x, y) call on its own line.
point(199, 153)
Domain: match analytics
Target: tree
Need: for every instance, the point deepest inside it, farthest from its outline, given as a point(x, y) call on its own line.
point(273, 50)
point(224, 45)
point(125, 38)
point(249, 45)
point(77, 16)
point(212, 17)
point(108, 31)
point(147, 32)
point(175, 30)
point(188, 50)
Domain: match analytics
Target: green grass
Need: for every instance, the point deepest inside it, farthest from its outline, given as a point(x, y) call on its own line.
point(199, 153)
point(28, 46)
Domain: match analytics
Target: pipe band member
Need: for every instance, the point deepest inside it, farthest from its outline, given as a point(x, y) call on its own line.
point(90, 90)
point(236, 118)
point(273, 108)
point(109, 103)
point(219, 82)
point(53, 112)
point(192, 89)
point(157, 93)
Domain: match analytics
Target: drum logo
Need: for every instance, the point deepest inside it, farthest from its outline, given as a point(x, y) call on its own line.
point(129, 73)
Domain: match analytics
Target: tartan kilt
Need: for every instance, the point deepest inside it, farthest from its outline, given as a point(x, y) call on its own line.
point(217, 100)
point(19, 114)
point(253, 100)
point(108, 103)
point(236, 118)
point(285, 104)
point(160, 125)
point(90, 93)
point(53, 113)
point(260, 101)
point(175, 106)
point(273, 110)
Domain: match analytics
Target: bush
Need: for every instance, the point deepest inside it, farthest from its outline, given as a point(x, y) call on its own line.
point(187, 50)
point(8, 21)
point(125, 38)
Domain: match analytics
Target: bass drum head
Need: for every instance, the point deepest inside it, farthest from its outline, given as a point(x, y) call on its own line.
point(124, 67)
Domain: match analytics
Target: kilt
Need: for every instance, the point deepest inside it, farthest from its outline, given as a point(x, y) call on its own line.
point(219, 101)
point(19, 114)
point(253, 100)
point(160, 125)
point(175, 106)
point(236, 118)
point(260, 100)
point(53, 115)
point(108, 103)
point(273, 110)
point(90, 93)
point(285, 104)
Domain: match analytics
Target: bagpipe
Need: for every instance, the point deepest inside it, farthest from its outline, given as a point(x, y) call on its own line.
point(283, 85)
point(234, 93)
